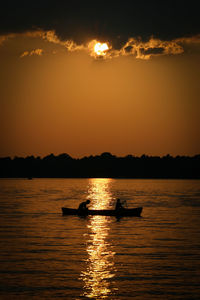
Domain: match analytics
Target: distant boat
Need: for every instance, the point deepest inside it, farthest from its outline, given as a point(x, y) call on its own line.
point(131, 212)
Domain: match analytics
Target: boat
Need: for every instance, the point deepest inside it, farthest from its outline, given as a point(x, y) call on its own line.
point(125, 212)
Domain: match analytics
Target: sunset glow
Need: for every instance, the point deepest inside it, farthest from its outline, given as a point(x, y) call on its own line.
point(99, 81)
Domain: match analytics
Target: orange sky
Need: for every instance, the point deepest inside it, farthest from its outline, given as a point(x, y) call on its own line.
point(57, 99)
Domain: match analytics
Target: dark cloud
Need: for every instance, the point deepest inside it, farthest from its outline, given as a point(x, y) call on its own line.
point(128, 49)
point(149, 51)
point(115, 21)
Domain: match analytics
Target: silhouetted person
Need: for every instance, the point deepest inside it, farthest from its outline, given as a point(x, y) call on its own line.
point(118, 205)
point(83, 207)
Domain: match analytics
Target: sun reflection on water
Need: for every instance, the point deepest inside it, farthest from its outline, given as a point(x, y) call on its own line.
point(100, 267)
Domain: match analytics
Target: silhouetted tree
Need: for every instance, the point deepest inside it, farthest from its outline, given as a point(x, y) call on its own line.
point(104, 165)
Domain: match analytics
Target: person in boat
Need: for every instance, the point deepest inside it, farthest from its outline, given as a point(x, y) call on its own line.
point(118, 205)
point(83, 206)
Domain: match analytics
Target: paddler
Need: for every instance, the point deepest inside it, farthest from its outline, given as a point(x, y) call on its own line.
point(83, 207)
point(118, 205)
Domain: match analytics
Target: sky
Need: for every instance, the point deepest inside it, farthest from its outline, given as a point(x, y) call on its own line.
point(85, 78)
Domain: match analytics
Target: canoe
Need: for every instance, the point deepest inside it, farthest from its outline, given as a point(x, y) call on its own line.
point(131, 212)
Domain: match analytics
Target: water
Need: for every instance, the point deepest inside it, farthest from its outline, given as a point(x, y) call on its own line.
point(45, 255)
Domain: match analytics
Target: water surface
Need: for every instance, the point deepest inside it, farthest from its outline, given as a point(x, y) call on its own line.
point(45, 255)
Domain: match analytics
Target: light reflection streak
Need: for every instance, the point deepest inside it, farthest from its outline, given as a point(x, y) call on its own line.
point(100, 263)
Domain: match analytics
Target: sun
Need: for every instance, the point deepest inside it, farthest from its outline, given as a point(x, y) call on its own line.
point(100, 48)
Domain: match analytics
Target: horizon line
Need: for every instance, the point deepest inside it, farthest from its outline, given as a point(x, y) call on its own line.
point(103, 154)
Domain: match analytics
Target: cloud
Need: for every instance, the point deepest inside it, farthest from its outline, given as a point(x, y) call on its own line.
point(31, 34)
point(70, 45)
point(152, 51)
point(152, 47)
point(38, 52)
point(116, 22)
point(134, 47)
point(190, 44)
point(137, 28)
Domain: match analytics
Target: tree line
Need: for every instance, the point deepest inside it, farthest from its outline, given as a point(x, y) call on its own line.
point(102, 166)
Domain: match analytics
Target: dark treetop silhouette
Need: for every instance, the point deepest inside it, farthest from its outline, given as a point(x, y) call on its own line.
point(104, 165)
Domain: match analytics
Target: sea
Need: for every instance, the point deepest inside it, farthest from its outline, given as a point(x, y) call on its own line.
point(45, 255)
